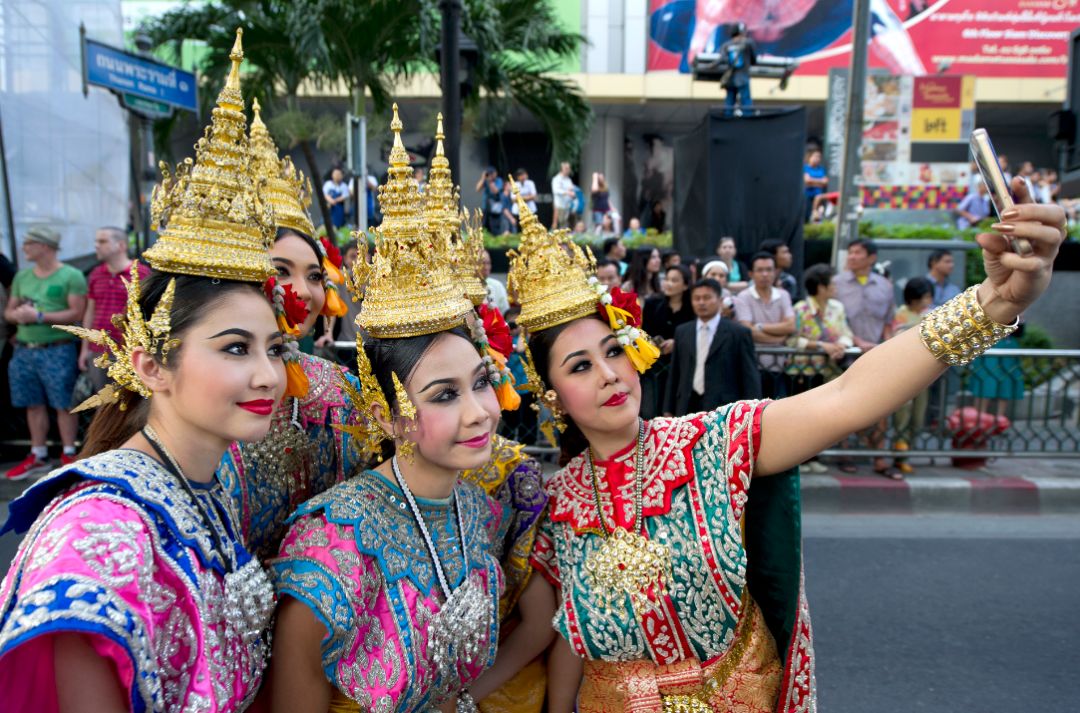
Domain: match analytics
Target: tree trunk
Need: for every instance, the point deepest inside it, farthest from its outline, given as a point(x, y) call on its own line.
point(316, 185)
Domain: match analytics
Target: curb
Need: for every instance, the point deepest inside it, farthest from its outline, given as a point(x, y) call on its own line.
point(838, 494)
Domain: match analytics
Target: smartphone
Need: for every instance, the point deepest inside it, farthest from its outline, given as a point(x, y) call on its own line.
point(996, 185)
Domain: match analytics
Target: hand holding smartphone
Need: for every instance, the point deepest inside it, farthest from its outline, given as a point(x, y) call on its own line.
point(996, 185)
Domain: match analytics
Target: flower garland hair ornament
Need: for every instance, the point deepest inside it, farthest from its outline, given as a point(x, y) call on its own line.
point(623, 313)
point(290, 312)
point(491, 335)
point(331, 264)
point(152, 336)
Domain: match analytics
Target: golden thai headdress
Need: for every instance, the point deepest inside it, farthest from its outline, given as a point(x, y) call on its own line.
point(286, 187)
point(408, 288)
point(444, 219)
point(215, 222)
point(554, 281)
point(153, 336)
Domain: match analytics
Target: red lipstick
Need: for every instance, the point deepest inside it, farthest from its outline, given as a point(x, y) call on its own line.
point(617, 399)
point(261, 407)
point(477, 442)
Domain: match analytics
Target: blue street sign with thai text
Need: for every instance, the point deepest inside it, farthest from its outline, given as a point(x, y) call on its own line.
point(125, 73)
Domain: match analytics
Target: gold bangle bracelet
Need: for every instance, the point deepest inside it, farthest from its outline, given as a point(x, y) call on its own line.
point(959, 331)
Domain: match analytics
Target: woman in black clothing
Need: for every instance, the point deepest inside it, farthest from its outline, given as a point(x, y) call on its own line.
point(660, 316)
point(643, 275)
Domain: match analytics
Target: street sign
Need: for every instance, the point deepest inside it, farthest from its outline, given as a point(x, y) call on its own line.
point(129, 74)
point(145, 107)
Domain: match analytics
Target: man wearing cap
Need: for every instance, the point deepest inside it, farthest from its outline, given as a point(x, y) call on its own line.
point(43, 370)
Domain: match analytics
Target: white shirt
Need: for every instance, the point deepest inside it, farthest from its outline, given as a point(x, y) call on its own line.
point(562, 191)
point(528, 188)
point(704, 333)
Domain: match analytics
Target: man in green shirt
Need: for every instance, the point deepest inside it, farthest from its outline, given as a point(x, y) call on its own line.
point(43, 370)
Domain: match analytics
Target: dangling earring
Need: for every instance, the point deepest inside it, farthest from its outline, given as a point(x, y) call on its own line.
point(551, 400)
point(407, 412)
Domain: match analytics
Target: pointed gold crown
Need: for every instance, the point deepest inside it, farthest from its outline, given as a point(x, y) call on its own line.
point(287, 189)
point(409, 287)
point(215, 222)
point(442, 214)
point(550, 274)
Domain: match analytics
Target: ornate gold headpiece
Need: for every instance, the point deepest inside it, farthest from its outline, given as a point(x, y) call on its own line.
point(550, 274)
point(408, 288)
point(444, 220)
point(215, 222)
point(286, 188)
point(153, 336)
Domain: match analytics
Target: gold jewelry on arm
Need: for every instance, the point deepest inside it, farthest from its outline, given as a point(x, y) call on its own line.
point(959, 331)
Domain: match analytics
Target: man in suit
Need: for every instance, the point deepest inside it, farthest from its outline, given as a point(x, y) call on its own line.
point(714, 361)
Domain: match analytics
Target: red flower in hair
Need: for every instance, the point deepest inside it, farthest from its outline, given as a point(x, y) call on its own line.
point(332, 252)
point(268, 288)
point(625, 301)
point(295, 309)
point(498, 332)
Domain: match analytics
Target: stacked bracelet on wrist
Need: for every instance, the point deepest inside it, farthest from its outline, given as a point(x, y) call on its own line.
point(959, 331)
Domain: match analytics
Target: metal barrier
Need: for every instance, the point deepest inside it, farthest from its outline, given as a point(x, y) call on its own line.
point(1010, 402)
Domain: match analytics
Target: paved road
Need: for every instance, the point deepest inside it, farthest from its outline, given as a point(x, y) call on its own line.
point(945, 613)
point(942, 613)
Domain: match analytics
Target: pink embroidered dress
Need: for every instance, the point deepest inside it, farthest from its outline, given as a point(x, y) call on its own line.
point(117, 551)
point(714, 641)
point(356, 557)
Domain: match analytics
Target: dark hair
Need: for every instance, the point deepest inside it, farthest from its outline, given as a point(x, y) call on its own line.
point(935, 256)
point(572, 441)
point(519, 173)
point(400, 356)
point(285, 232)
point(816, 277)
point(609, 243)
point(726, 237)
point(638, 274)
point(666, 255)
point(866, 244)
point(684, 271)
point(762, 256)
point(709, 283)
point(917, 288)
point(771, 246)
point(604, 262)
point(194, 296)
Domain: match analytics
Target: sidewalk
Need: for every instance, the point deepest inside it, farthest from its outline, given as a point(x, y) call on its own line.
point(1004, 486)
point(1007, 486)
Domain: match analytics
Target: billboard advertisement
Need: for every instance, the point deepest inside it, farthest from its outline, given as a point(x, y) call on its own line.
point(985, 38)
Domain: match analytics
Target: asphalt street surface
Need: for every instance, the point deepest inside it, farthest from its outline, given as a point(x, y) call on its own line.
point(945, 613)
point(936, 613)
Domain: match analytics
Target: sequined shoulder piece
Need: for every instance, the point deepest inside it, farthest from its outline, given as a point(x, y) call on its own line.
point(505, 457)
point(135, 476)
point(324, 392)
point(384, 529)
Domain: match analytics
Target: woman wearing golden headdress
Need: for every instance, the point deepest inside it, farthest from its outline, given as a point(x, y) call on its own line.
point(306, 451)
point(511, 477)
point(389, 582)
point(132, 589)
point(647, 537)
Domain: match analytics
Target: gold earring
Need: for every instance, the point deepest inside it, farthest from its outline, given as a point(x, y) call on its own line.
point(407, 412)
point(551, 400)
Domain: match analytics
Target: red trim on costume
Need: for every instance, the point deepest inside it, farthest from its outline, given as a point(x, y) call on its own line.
point(669, 443)
point(543, 560)
point(701, 525)
point(663, 633)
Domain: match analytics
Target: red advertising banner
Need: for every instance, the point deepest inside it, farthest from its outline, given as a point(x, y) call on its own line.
point(985, 38)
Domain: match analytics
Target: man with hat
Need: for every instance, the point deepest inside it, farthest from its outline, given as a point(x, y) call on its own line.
point(43, 370)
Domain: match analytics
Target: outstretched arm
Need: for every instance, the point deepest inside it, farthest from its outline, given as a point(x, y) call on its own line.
point(891, 374)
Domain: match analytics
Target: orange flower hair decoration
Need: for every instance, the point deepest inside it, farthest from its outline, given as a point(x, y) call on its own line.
point(331, 263)
point(623, 313)
point(491, 335)
point(290, 312)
